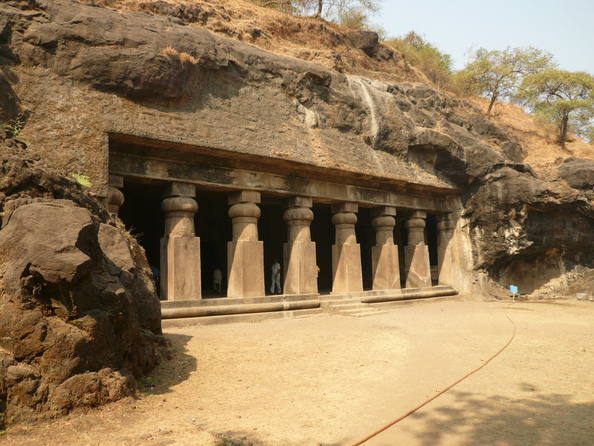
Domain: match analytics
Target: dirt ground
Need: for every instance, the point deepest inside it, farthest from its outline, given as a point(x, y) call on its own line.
point(332, 380)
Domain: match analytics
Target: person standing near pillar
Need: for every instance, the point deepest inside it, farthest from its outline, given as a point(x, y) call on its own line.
point(275, 278)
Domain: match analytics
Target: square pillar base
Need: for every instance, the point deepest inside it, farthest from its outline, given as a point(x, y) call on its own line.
point(346, 268)
point(301, 274)
point(386, 271)
point(245, 264)
point(180, 268)
point(446, 265)
point(418, 266)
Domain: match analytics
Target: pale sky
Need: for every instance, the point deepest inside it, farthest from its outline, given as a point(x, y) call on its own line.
point(564, 28)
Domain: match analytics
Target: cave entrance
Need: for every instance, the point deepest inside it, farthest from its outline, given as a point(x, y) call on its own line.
point(273, 232)
point(322, 233)
point(142, 216)
point(213, 226)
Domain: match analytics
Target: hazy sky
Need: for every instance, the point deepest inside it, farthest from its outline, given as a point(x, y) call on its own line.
point(565, 28)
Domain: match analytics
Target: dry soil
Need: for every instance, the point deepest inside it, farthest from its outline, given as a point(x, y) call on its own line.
point(332, 380)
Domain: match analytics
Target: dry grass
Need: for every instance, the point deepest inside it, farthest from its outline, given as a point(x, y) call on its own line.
point(183, 57)
point(538, 137)
point(305, 38)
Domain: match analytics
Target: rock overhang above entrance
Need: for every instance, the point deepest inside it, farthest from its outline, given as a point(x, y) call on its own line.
point(210, 168)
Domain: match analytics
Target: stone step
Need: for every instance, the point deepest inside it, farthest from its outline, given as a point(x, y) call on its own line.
point(398, 303)
point(362, 312)
point(223, 301)
point(236, 318)
point(219, 310)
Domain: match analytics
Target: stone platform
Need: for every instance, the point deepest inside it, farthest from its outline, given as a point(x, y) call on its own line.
point(228, 310)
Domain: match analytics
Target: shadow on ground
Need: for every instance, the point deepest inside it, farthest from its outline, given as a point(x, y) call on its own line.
point(538, 419)
point(173, 371)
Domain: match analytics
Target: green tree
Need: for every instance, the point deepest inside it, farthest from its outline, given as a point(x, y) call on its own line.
point(564, 97)
point(497, 74)
point(436, 65)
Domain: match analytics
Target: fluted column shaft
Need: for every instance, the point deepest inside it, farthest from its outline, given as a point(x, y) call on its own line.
point(445, 261)
point(299, 253)
point(417, 253)
point(386, 271)
point(346, 252)
point(245, 253)
point(180, 248)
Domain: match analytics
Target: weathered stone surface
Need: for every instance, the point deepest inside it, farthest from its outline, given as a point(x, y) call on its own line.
point(525, 231)
point(579, 173)
point(83, 82)
point(79, 317)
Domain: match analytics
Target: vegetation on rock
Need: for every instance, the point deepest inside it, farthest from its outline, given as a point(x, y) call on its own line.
point(497, 74)
point(563, 97)
point(436, 65)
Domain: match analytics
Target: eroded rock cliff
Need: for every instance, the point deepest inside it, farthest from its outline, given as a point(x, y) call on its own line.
point(164, 76)
point(79, 316)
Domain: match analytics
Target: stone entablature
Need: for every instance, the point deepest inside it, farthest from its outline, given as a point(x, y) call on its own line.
point(286, 178)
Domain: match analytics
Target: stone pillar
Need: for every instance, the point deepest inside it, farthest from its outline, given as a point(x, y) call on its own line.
point(445, 231)
point(245, 253)
point(384, 255)
point(115, 197)
point(301, 275)
point(180, 248)
point(417, 253)
point(346, 252)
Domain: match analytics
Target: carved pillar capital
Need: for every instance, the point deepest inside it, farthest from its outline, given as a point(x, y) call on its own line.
point(115, 196)
point(344, 218)
point(383, 222)
point(416, 227)
point(179, 216)
point(298, 218)
point(445, 223)
point(115, 200)
point(244, 215)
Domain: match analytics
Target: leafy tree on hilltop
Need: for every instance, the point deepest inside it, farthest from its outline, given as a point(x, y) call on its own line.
point(564, 97)
point(497, 74)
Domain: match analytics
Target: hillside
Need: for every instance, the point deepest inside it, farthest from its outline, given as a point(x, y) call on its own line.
point(536, 136)
point(306, 38)
point(342, 49)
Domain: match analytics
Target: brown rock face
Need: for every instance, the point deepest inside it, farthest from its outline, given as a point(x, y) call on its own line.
point(231, 95)
point(79, 316)
point(578, 173)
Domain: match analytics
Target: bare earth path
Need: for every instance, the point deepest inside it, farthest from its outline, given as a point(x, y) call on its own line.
point(331, 380)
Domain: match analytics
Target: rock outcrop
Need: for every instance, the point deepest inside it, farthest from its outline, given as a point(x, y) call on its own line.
point(79, 316)
point(117, 73)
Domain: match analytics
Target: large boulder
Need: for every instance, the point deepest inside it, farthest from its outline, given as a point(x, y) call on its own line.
point(79, 316)
point(578, 173)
